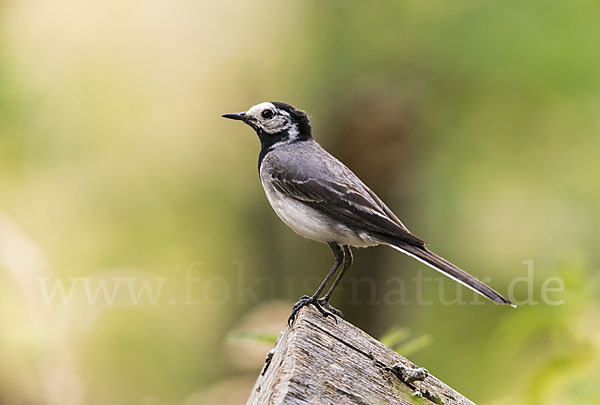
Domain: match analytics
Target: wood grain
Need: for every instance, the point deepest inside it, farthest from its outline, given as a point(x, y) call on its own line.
point(320, 362)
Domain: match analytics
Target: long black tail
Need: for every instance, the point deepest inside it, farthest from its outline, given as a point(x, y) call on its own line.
point(442, 265)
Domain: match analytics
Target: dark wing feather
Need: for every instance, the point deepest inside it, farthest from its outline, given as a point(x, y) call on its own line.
point(346, 201)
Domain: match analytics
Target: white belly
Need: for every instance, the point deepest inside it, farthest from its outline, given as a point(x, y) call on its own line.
point(312, 224)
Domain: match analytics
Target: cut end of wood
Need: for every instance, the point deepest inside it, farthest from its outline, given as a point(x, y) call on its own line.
point(320, 361)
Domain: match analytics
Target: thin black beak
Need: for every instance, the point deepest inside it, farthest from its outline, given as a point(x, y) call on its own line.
point(236, 116)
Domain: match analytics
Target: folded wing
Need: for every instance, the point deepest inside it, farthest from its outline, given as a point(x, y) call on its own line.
point(349, 201)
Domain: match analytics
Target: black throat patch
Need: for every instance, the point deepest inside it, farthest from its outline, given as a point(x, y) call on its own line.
point(269, 142)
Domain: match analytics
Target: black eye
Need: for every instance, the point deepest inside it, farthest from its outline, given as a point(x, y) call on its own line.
point(266, 114)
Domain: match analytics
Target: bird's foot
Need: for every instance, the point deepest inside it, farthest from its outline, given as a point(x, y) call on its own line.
point(304, 301)
point(326, 305)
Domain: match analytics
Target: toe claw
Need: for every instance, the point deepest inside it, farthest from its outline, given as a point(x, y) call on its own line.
point(330, 308)
point(318, 304)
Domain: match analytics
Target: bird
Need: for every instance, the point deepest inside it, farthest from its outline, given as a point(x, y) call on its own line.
point(321, 199)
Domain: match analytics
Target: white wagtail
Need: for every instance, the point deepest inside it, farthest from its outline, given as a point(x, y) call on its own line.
point(321, 199)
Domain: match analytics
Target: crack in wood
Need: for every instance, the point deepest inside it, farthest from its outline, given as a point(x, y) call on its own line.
point(319, 362)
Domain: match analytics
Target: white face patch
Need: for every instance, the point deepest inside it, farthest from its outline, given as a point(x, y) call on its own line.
point(293, 132)
point(271, 123)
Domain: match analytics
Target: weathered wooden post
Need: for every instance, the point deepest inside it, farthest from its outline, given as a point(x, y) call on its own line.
point(320, 362)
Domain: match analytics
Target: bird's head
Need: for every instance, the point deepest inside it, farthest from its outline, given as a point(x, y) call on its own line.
point(275, 122)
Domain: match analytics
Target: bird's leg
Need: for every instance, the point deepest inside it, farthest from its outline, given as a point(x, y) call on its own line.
point(347, 263)
point(338, 253)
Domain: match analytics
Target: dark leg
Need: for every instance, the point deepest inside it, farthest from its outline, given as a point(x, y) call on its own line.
point(347, 263)
point(338, 253)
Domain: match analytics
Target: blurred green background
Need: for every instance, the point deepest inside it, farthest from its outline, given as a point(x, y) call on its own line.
point(477, 122)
